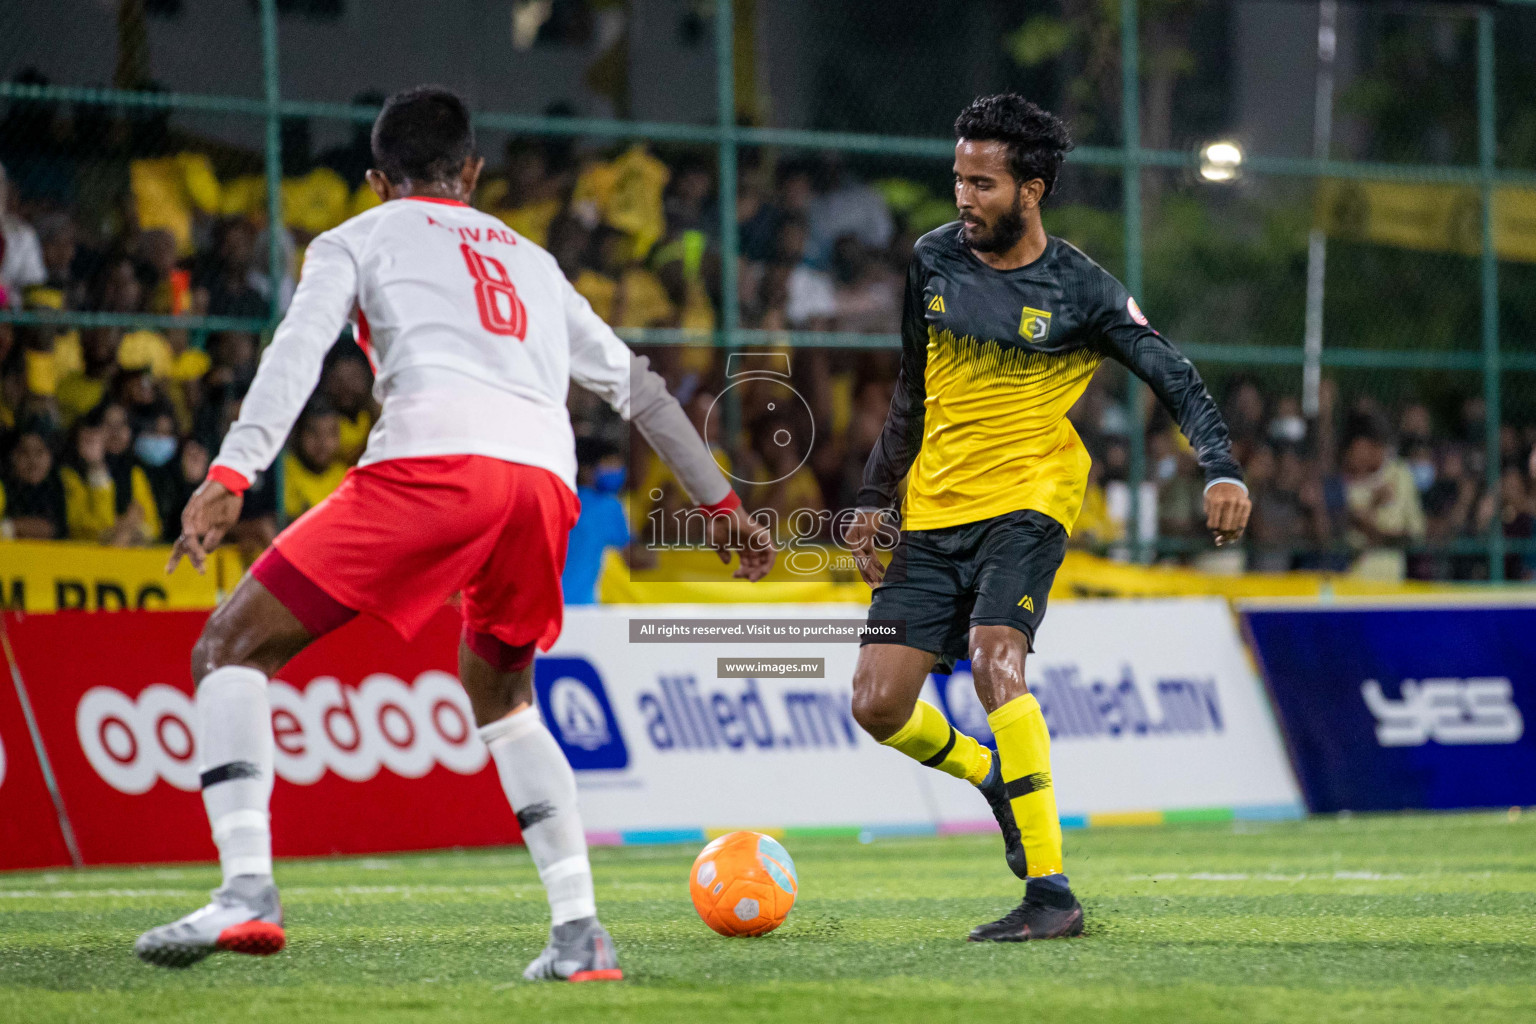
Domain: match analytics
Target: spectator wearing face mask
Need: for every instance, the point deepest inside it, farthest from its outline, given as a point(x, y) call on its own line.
point(1421, 463)
point(600, 477)
point(155, 448)
point(1288, 428)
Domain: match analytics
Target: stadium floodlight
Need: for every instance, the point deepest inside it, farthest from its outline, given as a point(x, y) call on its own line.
point(1221, 161)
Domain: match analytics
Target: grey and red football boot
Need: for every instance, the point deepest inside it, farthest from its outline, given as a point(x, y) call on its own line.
point(244, 917)
point(580, 950)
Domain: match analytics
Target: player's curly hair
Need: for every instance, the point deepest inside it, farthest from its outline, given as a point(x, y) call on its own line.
point(423, 135)
point(1037, 140)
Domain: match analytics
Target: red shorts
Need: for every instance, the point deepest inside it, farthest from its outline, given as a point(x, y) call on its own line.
point(399, 538)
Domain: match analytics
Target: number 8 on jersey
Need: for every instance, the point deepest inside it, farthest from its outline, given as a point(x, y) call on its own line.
point(501, 311)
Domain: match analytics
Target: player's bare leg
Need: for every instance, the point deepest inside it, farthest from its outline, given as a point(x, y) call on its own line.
point(1022, 778)
point(541, 788)
point(886, 683)
point(245, 641)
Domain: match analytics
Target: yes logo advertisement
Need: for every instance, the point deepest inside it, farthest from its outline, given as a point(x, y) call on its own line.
point(1391, 708)
point(1448, 711)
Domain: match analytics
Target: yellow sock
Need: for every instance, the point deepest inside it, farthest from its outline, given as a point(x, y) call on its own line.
point(1024, 745)
point(928, 737)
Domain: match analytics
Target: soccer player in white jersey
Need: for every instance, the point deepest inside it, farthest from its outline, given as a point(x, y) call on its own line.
point(467, 485)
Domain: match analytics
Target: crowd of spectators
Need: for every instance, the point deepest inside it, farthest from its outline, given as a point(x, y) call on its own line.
point(1389, 493)
point(106, 430)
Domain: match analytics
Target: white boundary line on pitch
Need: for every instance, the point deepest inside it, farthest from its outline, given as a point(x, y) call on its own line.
point(518, 887)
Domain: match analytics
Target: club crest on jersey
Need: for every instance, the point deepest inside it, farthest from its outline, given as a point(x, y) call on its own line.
point(1035, 325)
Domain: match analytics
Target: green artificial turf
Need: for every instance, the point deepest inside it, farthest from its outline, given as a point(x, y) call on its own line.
point(1390, 918)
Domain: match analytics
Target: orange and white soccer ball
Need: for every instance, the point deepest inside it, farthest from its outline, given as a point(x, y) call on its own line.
point(743, 884)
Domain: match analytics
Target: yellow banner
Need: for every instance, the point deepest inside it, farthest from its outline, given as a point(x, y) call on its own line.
point(1432, 218)
point(46, 576)
point(686, 577)
point(1085, 575)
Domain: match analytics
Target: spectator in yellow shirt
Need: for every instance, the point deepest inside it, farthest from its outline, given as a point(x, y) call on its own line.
point(1382, 510)
point(782, 482)
point(347, 387)
point(313, 467)
point(529, 198)
point(1094, 523)
point(119, 290)
point(621, 292)
point(1380, 498)
point(107, 497)
point(80, 392)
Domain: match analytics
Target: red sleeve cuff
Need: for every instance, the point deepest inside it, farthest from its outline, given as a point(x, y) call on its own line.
point(232, 481)
point(725, 504)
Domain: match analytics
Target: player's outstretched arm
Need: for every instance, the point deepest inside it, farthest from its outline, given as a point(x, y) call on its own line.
point(287, 375)
point(1131, 341)
point(603, 364)
point(900, 439)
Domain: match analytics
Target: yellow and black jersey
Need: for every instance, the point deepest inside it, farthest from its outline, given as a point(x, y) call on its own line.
point(991, 362)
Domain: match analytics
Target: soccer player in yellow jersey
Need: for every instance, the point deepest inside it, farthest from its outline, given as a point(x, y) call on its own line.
point(1002, 328)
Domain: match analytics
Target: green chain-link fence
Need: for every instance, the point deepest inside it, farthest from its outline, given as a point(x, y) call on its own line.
point(1408, 268)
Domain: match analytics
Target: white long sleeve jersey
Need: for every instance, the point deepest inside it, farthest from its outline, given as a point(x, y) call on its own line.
point(473, 332)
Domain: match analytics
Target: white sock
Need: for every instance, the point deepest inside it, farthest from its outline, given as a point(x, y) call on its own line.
point(235, 748)
point(541, 787)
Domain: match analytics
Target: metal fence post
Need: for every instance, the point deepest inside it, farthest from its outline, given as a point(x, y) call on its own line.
point(274, 168)
point(1130, 118)
point(1487, 152)
point(730, 299)
point(274, 152)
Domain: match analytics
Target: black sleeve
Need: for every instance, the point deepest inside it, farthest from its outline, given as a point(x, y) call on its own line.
point(1125, 337)
point(899, 441)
